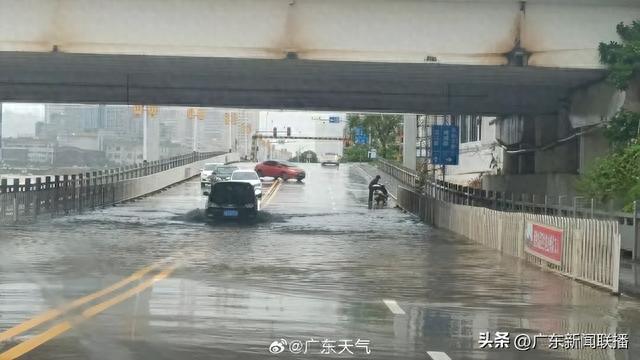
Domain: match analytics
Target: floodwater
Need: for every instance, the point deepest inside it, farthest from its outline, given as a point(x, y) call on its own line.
point(314, 270)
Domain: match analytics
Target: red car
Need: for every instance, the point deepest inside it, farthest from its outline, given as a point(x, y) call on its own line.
point(280, 169)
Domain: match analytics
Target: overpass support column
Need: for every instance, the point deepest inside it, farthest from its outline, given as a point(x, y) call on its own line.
point(410, 132)
point(0, 131)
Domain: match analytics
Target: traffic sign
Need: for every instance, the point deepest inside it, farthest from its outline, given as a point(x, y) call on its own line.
point(360, 136)
point(445, 145)
point(334, 119)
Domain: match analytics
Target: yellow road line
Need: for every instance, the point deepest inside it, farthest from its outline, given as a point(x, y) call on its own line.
point(272, 194)
point(269, 191)
point(60, 328)
point(53, 313)
point(272, 187)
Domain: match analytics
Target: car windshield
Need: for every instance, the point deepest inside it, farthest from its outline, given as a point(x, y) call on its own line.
point(210, 167)
point(245, 175)
point(287, 163)
point(225, 170)
point(232, 193)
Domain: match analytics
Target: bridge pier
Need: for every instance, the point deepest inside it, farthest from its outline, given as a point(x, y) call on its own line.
point(410, 132)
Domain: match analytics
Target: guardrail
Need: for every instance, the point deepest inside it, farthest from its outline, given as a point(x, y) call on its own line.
point(24, 202)
point(577, 207)
point(588, 249)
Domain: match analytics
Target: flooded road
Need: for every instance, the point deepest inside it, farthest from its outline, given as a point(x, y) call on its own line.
point(318, 270)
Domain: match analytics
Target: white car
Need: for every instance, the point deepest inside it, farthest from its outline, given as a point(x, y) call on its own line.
point(206, 171)
point(251, 177)
point(330, 159)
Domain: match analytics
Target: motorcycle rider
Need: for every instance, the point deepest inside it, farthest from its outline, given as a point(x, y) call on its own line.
point(375, 185)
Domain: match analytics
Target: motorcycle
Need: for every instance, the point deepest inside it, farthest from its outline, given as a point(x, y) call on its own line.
point(380, 195)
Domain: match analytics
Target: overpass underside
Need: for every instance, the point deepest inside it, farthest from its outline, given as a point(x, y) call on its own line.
point(288, 83)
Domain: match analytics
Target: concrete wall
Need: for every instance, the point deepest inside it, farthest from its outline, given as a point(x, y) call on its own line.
point(551, 170)
point(410, 133)
point(562, 158)
point(563, 33)
point(592, 146)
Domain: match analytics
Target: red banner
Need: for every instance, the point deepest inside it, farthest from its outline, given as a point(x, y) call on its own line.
point(544, 242)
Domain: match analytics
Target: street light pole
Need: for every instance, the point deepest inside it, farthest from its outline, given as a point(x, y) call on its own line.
point(145, 134)
point(195, 133)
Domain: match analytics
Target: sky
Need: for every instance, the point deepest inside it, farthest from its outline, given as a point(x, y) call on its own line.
point(305, 123)
point(20, 119)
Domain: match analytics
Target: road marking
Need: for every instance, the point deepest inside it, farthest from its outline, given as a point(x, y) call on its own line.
point(394, 307)
point(271, 193)
point(438, 355)
point(54, 313)
point(60, 328)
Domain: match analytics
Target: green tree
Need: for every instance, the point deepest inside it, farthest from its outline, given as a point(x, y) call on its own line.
point(382, 130)
point(622, 130)
point(614, 177)
point(622, 58)
point(617, 176)
point(356, 153)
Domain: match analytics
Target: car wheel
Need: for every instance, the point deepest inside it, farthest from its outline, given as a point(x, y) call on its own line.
point(284, 176)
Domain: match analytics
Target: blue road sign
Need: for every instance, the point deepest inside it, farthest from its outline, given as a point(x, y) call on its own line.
point(360, 136)
point(334, 119)
point(445, 145)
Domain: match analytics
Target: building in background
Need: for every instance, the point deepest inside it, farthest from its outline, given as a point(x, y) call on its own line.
point(479, 154)
point(28, 150)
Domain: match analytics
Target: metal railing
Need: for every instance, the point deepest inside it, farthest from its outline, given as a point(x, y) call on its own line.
point(590, 249)
point(576, 207)
point(25, 201)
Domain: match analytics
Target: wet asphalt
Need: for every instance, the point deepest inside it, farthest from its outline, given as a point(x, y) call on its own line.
point(314, 270)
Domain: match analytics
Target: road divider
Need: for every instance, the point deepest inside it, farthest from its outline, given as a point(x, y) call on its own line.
point(60, 328)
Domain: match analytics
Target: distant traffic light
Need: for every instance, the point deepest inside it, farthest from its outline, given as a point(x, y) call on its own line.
point(288, 131)
point(275, 132)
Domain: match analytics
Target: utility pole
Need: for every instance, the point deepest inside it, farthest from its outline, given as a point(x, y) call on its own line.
point(145, 134)
point(145, 111)
point(196, 115)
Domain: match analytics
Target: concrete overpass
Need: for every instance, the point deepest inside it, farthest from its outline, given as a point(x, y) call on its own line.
point(400, 56)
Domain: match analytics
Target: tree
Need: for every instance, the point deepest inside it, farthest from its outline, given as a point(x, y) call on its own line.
point(622, 130)
point(614, 177)
point(617, 176)
point(381, 129)
point(356, 153)
point(622, 58)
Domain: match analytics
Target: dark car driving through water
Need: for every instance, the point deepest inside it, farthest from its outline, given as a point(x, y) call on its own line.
point(232, 200)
